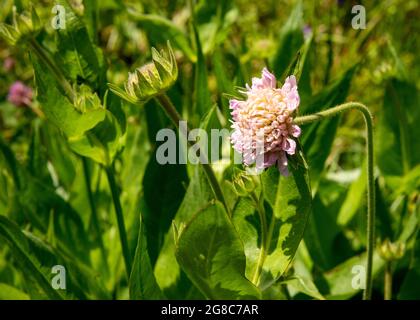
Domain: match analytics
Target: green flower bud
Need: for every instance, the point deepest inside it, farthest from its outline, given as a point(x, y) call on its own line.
point(151, 79)
point(390, 251)
point(25, 26)
point(85, 100)
point(243, 184)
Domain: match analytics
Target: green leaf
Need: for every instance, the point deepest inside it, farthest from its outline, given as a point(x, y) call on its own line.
point(354, 199)
point(289, 42)
point(248, 224)
point(164, 189)
point(142, 282)
point(301, 284)
point(167, 271)
point(202, 94)
point(58, 108)
point(398, 128)
point(39, 203)
point(161, 29)
point(81, 281)
point(337, 284)
point(27, 262)
point(210, 251)
point(323, 234)
point(291, 202)
point(94, 132)
point(79, 56)
point(11, 293)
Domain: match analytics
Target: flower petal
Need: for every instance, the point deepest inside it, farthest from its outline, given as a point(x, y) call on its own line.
point(269, 79)
point(282, 164)
point(295, 131)
point(289, 145)
point(290, 92)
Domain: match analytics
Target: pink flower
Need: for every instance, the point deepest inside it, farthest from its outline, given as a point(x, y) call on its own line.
point(19, 94)
point(263, 123)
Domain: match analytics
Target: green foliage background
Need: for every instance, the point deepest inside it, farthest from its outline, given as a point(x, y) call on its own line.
point(182, 243)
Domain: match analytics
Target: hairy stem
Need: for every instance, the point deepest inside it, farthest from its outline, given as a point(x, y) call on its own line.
point(173, 114)
point(370, 177)
point(120, 219)
point(388, 281)
point(264, 245)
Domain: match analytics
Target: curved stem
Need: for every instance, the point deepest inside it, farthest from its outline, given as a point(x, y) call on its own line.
point(120, 219)
point(173, 114)
point(370, 182)
point(264, 245)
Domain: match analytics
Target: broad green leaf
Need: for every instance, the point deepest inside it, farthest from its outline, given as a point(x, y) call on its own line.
point(297, 284)
point(58, 108)
point(343, 282)
point(248, 224)
point(27, 262)
point(397, 128)
point(8, 292)
point(95, 132)
point(80, 57)
point(291, 202)
point(318, 138)
point(287, 211)
point(163, 189)
point(167, 271)
point(322, 235)
point(209, 250)
point(142, 282)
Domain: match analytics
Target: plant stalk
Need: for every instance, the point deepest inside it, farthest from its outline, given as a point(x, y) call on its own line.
point(95, 219)
point(120, 219)
point(370, 176)
point(264, 245)
point(388, 281)
point(173, 114)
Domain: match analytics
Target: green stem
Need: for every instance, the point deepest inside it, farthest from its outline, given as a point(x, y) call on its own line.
point(264, 245)
point(59, 76)
point(370, 182)
point(120, 219)
point(173, 114)
point(388, 281)
point(95, 220)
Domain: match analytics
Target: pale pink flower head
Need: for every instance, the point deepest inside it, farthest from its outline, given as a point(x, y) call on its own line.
point(19, 94)
point(263, 128)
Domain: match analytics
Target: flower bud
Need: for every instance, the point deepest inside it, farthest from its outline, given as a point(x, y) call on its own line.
point(85, 100)
point(151, 79)
point(243, 184)
point(25, 25)
point(390, 251)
